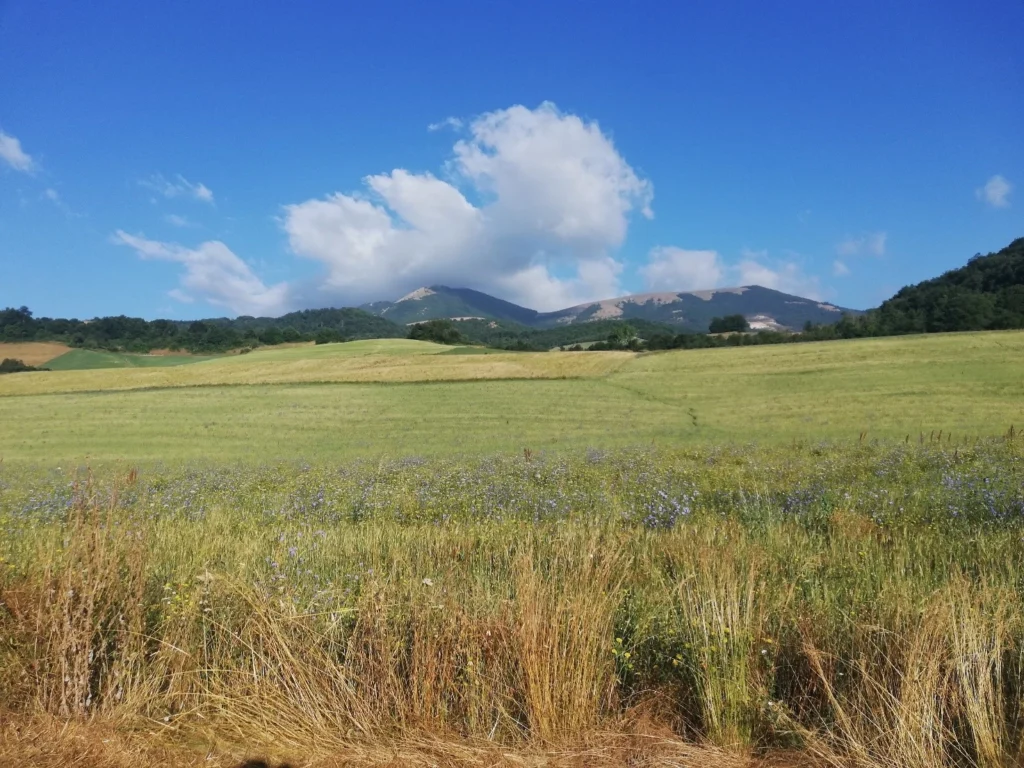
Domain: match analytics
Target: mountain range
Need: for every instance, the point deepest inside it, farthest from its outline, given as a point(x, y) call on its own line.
point(985, 294)
point(763, 307)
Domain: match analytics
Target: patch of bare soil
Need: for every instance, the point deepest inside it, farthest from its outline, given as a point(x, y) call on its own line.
point(32, 352)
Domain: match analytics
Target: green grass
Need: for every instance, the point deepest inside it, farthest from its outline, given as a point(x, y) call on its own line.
point(89, 359)
point(472, 351)
point(348, 349)
point(402, 398)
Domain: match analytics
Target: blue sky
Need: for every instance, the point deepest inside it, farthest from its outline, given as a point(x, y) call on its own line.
point(195, 159)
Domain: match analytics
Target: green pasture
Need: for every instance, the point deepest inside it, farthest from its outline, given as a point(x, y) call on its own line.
point(399, 398)
point(90, 359)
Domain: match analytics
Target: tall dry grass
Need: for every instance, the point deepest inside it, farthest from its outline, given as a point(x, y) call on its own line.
point(831, 638)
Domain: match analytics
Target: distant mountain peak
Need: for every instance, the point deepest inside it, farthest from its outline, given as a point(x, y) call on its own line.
point(419, 293)
point(690, 310)
point(611, 308)
point(708, 295)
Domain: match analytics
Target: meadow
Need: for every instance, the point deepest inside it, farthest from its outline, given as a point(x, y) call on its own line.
point(90, 359)
point(401, 398)
point(379, 553)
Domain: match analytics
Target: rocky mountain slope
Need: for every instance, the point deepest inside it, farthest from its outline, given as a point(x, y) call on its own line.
point(764, 308)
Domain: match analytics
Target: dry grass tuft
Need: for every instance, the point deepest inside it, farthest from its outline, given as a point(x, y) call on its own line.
point(48, 742)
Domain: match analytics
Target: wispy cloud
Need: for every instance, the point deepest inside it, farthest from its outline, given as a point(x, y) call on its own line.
point(51, 195)
point(179, 295)
point(449, 122)
point(839, 269)
point(213, 273)
point(12, 154)
point(869, 244)
point(179, 221)
point(996, 192)
point(179, 187)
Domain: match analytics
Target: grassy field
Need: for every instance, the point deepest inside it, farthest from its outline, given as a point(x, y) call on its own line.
point(386, 553)
point(90, 359)
point(403, 398)
point(842, 605)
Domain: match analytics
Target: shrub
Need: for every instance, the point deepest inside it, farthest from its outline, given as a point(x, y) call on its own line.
point(10, 365)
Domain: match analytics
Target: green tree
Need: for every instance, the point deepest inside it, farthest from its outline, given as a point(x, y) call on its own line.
point(729, 324)
point(437, 331)
point(622, 336)
point(271, 335)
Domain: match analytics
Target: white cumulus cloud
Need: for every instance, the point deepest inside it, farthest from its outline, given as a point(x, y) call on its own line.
point(676, 269)
point(178, 187)
point(12, 154)
point(214, 274)
point(532, 206)
point(448, 122)
point(785, 276)
point(535, 203)
point(996, 192)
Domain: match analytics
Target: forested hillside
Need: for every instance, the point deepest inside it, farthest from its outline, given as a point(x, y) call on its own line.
point(987, 293)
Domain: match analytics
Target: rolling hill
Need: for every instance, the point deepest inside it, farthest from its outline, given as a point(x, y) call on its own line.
point(985, 294)
point(692, 311)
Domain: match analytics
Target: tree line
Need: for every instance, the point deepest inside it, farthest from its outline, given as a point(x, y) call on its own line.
point(133, 334)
